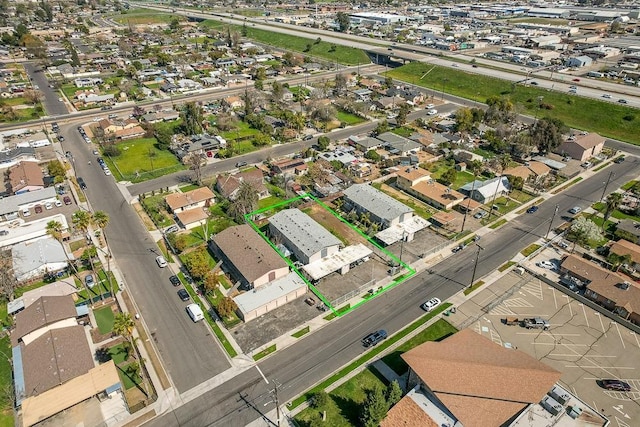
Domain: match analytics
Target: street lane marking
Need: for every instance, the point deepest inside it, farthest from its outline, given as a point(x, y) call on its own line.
point(585, 315)
point(620, 335)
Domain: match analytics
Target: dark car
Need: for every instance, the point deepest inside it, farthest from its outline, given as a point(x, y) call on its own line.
point(184, 295)
point(307, 137)
point(374, 338)
point(615, 385)
point(175, 281)
point(82, 184)
point(619, 160)
point(240, 164)
point(66, 200)
point(38, 209)
point(457, 248)
point(532, 209)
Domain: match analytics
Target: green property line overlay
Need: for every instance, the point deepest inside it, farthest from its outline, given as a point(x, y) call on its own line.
point(306, 196)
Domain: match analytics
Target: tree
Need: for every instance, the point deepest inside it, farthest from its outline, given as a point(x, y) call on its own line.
point(381, 128)
point(246, 202)
point(123, 325)
point(198, 263)
point(211, 282)
point(516, 182)
point(191, 115)
point(323, 143)
point(56, 230)
point(8, 282)
point(319, 399)
point(546, 134)
point(449, 176)
point(394, 393)
point(401, 118)
point(583, 231)
point(613, 201)
point(195, 164)
point(277, 91)
point(343, 21)
point(340, 83)
point(138, 112)
point(373, 155)
point(617, 261)
point(388, 82)
point(374, 408)
point(501, 110)
point(226, 307)
point(57, 170)
point(464, 120)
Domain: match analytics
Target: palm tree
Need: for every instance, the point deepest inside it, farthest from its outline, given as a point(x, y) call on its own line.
point(55, 230)
point(123, 325)
point(613, 201)
point(101, 219)
point(82, 220)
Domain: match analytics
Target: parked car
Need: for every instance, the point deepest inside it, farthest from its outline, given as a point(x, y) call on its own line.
point(175, 280)
point(66, 200)
point(38, 209)
point(532, 209)
point(546, 264)
point(307, 137)
point(88, 280)
point(619, 159)
point(162, 263)
point(241, 164)
point(574, 210)
point(586, 165)
point(183, 294)
point(107, 171)
point(431, 304)
point(171, 229)
point(458, 248)
point(480, 215)
point(374, 338)
point(432, 112)
point(48, 205)
point(615, 385)
point(429, 106)
point(26, 212)
point(58, 203)
point(81, 183)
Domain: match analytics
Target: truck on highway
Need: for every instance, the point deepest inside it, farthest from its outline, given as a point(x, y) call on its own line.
point(536, 323)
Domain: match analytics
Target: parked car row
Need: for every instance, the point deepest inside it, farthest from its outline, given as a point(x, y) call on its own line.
point(46, 206)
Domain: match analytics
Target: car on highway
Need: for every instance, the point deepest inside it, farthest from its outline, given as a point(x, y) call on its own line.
point(66, 200)
point(374, 338)
point(573, 91)
point(431, 304)
point(241, 164)
point(573, 87)
point(532, 209)
point(622, 101)
point(183, 294)
point(4, 232)
point(574, 210)
point(175, 280)
point(546, 264)
point(615, 385)
point(534, 83)
point(576, 80)
point(606, 96)
point(162, 263)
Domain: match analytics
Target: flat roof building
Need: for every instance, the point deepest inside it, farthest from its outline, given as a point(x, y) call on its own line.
point(384, 209)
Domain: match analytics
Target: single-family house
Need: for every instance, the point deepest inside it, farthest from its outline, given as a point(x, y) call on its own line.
point(233, 102)
point(418, 183)
point(628, 229)
point(529, 171)
point(287, 166)
point(32, 259)
point(25, 177)
point(304, 237)
point(382, 208)
point(469, 380)
point(248, 257)
point(398, 145)
point(229, 185)
point(624, 248)
point(485, 191)
point(582, 147)
point(190, 208)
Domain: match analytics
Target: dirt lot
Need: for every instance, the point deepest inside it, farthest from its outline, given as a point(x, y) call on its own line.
point(334, 225)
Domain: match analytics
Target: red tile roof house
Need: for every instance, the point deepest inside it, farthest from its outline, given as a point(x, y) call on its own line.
point(469, 380)
point(190, 207)
point(605, 287)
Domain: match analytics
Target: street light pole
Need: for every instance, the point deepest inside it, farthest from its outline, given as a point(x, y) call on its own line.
point(606, 184)
point(475, 265)
point(555, 212)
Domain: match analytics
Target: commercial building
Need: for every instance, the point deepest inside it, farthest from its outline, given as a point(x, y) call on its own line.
point(304, 237)
point(383, 209)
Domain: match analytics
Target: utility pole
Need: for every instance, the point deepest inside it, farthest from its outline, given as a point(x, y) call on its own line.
point(475, 265)
point(555, 212)
point(466, 211)
point(274, 392)
point(606, 184)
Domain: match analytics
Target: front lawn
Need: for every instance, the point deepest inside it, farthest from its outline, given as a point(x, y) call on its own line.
point(348, 118)
point(606, 118)
point(242, 130)
point(140, 160)
point(104, 319)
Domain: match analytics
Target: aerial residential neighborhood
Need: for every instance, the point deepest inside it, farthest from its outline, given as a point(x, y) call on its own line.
point(319, 214)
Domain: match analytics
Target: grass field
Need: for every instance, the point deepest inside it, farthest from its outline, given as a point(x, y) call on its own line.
point(144, 16)
point(242, 130)
point(141, 160)
point(345, 402)
point(348, 118)
point(609, 119)
point(104, 319)
point(342, 54)
point(6, 384)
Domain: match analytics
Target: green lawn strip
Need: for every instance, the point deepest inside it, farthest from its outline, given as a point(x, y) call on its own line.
point(522, 197)
point(609, 226)
point(301, 332)
point(327, 51)
point(267, 351)
point(498, 224)
point(602, 166)
point(164, 250)
point(140, 159)
point(629, 185)
point(564, 187)
point(345, 402)
point(127, 380)
point(242, 130)
point(338, 312)
point(268, 201)
point(436, 332)
point(472, 288)
point(530, 249)
point(368, 356)
point(104, 319)
point(606, 118)
point(189, 187)
point(348, 118)
point(6, 383)
point(506, 265)
point(118, 353)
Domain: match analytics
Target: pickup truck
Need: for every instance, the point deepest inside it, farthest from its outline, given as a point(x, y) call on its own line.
point(536, 323)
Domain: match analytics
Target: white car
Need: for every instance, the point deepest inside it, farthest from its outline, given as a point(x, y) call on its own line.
point(58, 203)
point(162, 263)
point(432, 112)
point(574, 210)
point(546, 264)
point(107, 172)
point(606, 95)
point(48, 205)
point(429, 107)
point(431, 304)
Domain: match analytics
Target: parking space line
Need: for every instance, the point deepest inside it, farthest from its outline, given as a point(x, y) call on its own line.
point(556, 343)
point(573, 355)
point(569, 304)
point(636, 337)
point(584, 311)
point(631, 368)
point(601, 324)
point(553, 335)
point(620, 335)
point(555, 301)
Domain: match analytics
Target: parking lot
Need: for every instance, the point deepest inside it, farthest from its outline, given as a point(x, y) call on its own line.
point(581, 343)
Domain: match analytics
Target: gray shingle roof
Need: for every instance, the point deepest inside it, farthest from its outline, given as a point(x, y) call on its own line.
point(376, 202)
point(302, 231)
point(43, 312)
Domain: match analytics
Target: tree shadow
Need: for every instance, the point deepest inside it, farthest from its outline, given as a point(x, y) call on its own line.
point(103, 355)
point(349, 409)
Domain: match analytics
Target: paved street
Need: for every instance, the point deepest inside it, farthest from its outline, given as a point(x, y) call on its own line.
point(52, 106)
point(238, 401)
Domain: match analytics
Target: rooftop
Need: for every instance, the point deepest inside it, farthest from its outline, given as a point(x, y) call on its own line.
point(376, 202)
point(43, 312)
point(181, 200)
point(14, 203)
point(336, 261)
point(256, 298)
point(301, 230)
point(396, 232)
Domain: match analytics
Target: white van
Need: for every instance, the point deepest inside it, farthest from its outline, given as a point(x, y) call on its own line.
point(195, 312)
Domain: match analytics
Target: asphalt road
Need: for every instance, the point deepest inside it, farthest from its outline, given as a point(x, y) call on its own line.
point(52, 106)
point(189, 352)
point(245, 397)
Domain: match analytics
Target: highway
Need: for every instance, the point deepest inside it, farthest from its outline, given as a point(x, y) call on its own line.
point(297, 368)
